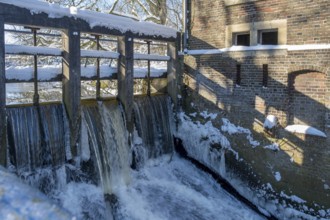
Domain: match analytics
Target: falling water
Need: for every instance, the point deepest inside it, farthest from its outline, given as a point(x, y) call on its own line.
point(153, 124)
point(108, 141)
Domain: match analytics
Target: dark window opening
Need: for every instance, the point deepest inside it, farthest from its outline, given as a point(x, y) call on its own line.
point(242, 39)
point(268, 37)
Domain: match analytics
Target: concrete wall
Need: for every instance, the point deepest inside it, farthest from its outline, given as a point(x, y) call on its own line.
point(297, 91)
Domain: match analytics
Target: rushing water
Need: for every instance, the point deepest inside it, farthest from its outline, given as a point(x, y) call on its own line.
point(100, 183)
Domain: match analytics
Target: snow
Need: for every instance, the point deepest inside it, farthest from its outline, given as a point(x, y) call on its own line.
point(31, 50)
point(260, 48)
point(99, 54)
point(155, 72)
point(270, 121)
point(153, 57)
point(18, 200)
point(25, 73)
point(305, 129)
point(197, 148)
point(207, 115)
point(274, 147)
point(48, 72)
point(95, 19)
point(233, 129)
point(277, 176)
point(293, 198)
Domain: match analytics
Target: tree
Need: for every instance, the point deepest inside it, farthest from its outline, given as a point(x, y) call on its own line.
point(165, 12)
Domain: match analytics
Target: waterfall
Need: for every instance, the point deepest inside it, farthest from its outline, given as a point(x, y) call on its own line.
point(108, 141)
point(36, 144)
point(153, 122)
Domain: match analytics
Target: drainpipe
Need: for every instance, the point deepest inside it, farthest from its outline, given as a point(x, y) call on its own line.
point(185, 20)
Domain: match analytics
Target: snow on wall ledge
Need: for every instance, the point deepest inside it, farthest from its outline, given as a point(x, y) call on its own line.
point(122, 24)
point(259, 48)
point(305, 129)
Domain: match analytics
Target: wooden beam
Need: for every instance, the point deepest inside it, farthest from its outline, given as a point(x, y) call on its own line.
point(125, 77)
point(21, 16)
point(172, 73)
point(3, 121)
point(71, 85)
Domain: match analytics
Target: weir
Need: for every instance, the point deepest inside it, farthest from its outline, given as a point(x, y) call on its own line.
point(53, 146)
point(73, 28)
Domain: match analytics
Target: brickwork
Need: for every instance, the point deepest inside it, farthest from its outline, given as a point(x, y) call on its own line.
point(298, 84)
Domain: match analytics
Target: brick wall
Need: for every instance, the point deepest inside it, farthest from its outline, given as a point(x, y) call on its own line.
point(298, 84)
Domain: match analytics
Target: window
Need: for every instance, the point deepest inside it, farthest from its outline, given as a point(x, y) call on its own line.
point(241, 39)
point(268, 37)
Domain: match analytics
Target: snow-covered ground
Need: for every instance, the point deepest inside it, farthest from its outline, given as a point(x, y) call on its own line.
point(165, 188)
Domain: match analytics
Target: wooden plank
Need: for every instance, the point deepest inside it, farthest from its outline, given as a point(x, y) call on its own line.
point(125, 77)
point(3, 121)
point(71, 84)
point(172, 78)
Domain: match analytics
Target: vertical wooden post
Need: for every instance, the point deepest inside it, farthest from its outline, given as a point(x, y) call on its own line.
point(125, 77)
point(148, 74)
point(3, 120)
point(71, 85)
point(98, 70)
point(172, 77)
point(35, 74)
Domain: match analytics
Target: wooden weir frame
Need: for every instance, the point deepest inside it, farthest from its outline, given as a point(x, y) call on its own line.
point(71, 53)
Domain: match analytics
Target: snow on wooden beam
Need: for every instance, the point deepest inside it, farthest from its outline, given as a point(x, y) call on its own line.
point(99, 54)
point(151, 57)
point(53, 73)
point(31, 50)
point(43, 14)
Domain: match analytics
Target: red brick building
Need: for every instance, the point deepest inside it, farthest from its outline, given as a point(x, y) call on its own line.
point(251, 58)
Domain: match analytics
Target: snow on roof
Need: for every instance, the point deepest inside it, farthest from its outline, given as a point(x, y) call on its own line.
point(305, 129)
point(122, 24)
